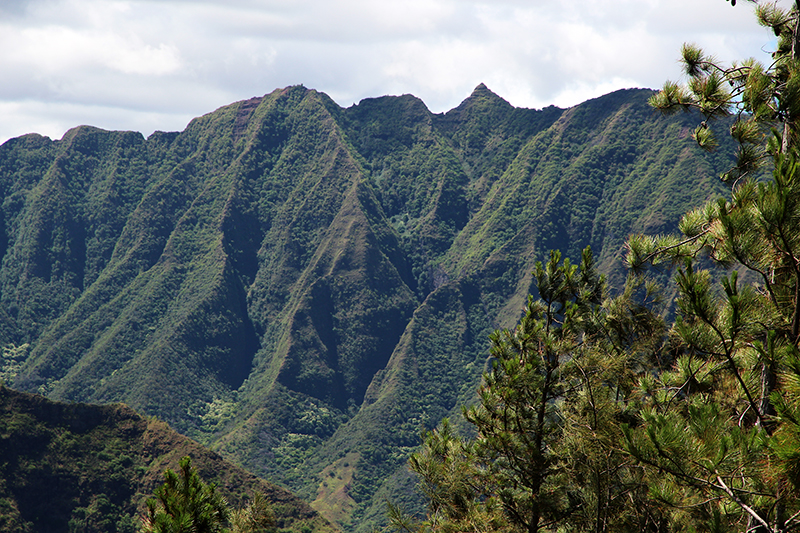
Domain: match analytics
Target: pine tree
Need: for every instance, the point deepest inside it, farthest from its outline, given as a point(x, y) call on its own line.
point(761, 98)
point(607, 489)
point(719, 433)
point(547, 451)
point(256, 517)
point(517, 417)
point(722, 424)
point(184, 504)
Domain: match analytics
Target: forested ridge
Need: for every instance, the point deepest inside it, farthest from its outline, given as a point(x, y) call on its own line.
point(306, 288)
point(71, 467)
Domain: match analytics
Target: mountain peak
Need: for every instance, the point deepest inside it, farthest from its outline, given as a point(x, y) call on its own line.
point(482, 100)
point(480, 89)
point(483, 92)
point(483, 95)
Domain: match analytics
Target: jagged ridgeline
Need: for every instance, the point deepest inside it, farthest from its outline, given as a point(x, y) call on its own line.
point(305, 287)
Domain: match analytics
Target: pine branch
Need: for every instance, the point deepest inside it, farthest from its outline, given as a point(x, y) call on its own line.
point(688, 380)
point(788, 524)
point(649, 257)
point(796, 269)
point(746, 508)
point(727, 354)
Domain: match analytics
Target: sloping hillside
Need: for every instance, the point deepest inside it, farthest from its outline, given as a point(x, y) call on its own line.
point(306, 287)
point(79, 467)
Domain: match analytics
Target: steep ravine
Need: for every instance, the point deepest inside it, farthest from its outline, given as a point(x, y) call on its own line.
point(305, 287)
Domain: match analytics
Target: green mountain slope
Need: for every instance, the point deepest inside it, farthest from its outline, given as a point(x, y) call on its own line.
point(79, 467)
point(305, 287)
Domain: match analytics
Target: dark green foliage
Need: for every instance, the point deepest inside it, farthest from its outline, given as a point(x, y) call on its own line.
point(717, 435)
point(720, 426)
point(184, 503)
point(301, 285)
point(68, 468)
point(546, 452)
point(86, 468)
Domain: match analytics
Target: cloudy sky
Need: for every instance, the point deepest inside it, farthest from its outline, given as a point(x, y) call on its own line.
point(150, 65)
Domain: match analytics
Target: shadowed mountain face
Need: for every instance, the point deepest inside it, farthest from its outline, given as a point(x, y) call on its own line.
point(78, 467)
point(306, 287)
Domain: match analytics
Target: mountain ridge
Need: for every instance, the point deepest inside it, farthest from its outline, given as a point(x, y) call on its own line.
point(301, 285)
point(89, 467)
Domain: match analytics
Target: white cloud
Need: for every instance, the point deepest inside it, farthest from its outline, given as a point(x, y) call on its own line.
point(147, 64)
point(59, 50)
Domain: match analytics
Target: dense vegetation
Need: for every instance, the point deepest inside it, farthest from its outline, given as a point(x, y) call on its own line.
point(599, 414)
point(185, 503)
point(78, 467)
point(307, 288)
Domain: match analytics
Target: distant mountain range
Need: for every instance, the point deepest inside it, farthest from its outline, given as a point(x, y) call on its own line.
point(305, 288)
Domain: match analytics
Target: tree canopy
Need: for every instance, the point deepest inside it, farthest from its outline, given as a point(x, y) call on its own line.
point(597, 415)
point(547, 452)
point(186, 504)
